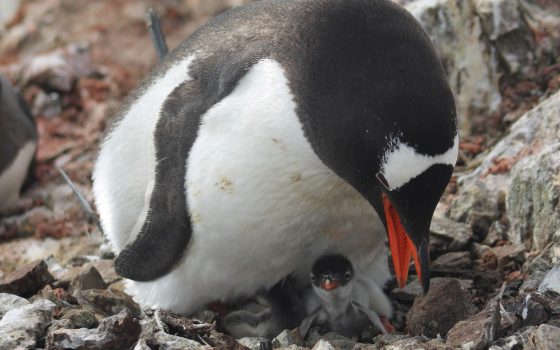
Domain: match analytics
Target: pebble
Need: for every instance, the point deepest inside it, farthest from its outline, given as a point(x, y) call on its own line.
point(546, 337)
point(286, 338)
point(478, 331)
point(447, 235)
point(113, 333)
point(22, 327)
point(532, 312)
point(255, 343)
point(108, 301)
point(27, 280)
point(446, 303)
point(453, 261)
point(551, 282)
point(88, 279)
point(9, 302)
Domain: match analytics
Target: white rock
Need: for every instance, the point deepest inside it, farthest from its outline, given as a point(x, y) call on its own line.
point(9, 302)
point(21, 328)
point(551, 281)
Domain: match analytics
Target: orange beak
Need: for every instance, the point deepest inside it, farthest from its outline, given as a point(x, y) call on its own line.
point(402, 247)
point(329, 284)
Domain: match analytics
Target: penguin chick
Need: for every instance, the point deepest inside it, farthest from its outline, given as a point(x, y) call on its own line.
point(267, 314)
point(342, 301)
point(18, 142)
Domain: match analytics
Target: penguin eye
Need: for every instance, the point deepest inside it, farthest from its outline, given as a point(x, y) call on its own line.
point(382, 180)
point(347, 275)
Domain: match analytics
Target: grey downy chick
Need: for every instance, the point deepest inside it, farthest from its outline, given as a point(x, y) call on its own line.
point(343, 301)
point(267, 314)
point(18, 142)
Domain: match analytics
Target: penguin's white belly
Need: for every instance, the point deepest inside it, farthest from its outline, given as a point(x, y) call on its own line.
point(12, 178)
point(261, 203)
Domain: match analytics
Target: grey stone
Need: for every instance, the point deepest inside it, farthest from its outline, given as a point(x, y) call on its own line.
point(80, 318)
point(533, 201)
point(478, 250)
point(408, 343)
point(496, 233)
point(529, 135)
point(519, 340)
point(286, 338)
point(409, 292)
point(10, 301)
point(21, 328)
point(504, 26)
point(335, 339)
point(173, 342)
point(114, 333)
point(365, 346)
point(447, 235)
point(254, 343)
point(532, 282)
point(453, 261)
point(505, 258)
point(141, 345)
point(546, 337)
point(27, 280)
point(551, 282)
point(532, 312)
point(472, 69)
point(88, 279)
point(388, 339)
point(323, 345)
point(478, 331)
point(59, 69)
point(446, 303)
point(108, 301)
point(474, 206)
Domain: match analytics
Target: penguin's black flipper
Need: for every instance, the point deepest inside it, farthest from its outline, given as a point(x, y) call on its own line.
point(167, 229)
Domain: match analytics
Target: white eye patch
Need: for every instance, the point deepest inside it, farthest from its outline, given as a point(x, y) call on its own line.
point(402, 163)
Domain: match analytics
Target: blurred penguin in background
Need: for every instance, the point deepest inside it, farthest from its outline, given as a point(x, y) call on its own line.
point(18, 143)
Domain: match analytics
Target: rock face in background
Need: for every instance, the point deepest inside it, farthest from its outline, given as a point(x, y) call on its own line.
point(519, 178)
point(479, 40)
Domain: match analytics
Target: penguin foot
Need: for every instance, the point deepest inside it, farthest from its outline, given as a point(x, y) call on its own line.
point(218, 307)
point(387, 324)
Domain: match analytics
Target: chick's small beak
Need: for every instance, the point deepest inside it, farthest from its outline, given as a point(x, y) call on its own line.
point(402, 249)
point(329, 284)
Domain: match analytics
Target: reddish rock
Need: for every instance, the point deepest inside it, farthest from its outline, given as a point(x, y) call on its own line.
point(27, 280)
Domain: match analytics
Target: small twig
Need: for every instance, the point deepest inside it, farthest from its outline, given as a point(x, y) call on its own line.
point(202, 340)
point(502, 290)
point(91, 215)
point(161, 325)
point(158, 39)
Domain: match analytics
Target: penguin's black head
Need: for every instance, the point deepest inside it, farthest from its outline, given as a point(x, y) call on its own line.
point(331, 272)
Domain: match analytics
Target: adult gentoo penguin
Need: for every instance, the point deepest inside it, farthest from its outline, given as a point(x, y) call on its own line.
point(18, 141)
point(277, 133)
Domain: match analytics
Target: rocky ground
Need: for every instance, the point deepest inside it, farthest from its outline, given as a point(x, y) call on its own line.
point(495, 239)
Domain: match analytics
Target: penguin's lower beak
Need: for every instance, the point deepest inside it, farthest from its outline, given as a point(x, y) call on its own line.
point(402, 248)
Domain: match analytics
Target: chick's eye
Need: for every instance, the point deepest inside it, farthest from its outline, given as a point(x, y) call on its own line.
point(347, 275)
